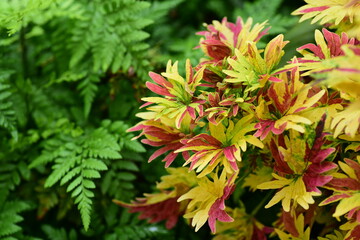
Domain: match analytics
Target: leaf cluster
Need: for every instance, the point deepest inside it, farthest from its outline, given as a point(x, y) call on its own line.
point(72, 74)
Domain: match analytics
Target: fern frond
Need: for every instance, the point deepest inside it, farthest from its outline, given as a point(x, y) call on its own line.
point(9, 214)
point(62, 167)
point(77, 160)
point(119, 128)
point(13, 168)
point(19, 13)
point(159, 10)
point(118, 181)
point(125, 225)
point(7, 113)
point(108, 40)
point(59, 234)
point(262, 10)
point(9, 175)
point(88, 88)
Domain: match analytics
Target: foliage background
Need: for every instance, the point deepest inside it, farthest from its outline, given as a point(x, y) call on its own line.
point(72, 73)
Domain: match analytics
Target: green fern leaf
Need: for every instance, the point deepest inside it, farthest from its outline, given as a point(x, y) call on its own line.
point(108, 41)
point(90, 173)
point(126, 176)
point(12, 169)
point(262, 10)
point(134, 146)
point(88, 88)
point(159, 10)
point(78, 158)
point(72, 173)
point(18, 14)
point(95, 164)
point(9, 216)
point(60, 169)
point(84, 205)
point(118, 181)
point(7, 113)
point(74, 184)
point(59, 234)
point(127, 165)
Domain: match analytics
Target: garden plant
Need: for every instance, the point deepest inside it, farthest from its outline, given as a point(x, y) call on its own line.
point(251, 131)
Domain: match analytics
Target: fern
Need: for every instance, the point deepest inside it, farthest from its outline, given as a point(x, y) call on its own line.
point(159, 10)
point(17, 14)
point(11, 173)
point(13, 168)
point(115, 42)
point(106, 38)
point(59, 234)
point(136, 232)
point(77, 160)
point(129, 227)
point(7, 113)
point(9, 214)
point(88, 89)
point(118, 181)
point(262, 10)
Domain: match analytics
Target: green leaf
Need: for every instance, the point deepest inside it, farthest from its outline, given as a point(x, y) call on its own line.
point(74, 183)
point(84, 205)
point(91, 163)
point(134, 145)
point(59, 233)
point(126, 176)
point(9, 214)
point(127, 165)
point(60, 170)
point(72, 173)
point(88, 88)
point(7, 113)
point(90, 173)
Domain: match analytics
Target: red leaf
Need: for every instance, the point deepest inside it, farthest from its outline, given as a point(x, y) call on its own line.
point(158, 90)
point(160, 80)
point(168, 210)
point(217, 210)
point(354, 165)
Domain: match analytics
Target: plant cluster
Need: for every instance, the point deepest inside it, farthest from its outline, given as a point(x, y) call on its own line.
point(243, 123)
point(70, 75)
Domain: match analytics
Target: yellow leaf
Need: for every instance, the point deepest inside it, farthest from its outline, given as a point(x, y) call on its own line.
point(254, 141)
point(347, 204)
point(218, 132)
point(348, 170)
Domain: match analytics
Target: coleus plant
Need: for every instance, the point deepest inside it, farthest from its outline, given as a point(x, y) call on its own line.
point(238, 120)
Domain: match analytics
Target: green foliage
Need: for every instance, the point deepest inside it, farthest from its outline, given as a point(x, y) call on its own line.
point(129, 227)
point(118, 181)
point(78, 157)
point(262, 10)
point(9, 214)
point(19, 13)
point(59, 234)
point(7, 113)
point(65, 67)
point(113, 40)
point(13, 168)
